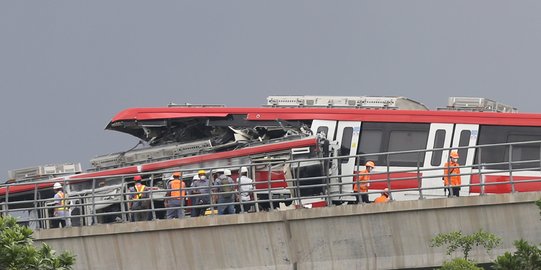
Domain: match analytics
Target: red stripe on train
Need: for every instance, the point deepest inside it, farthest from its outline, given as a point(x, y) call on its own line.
point(398, 180)
point(17, 189)
point(505, 186)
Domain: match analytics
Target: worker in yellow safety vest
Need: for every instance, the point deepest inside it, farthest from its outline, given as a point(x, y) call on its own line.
point(139, 200)
point(60, 210)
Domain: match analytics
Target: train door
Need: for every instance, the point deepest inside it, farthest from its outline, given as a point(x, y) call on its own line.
point(440, 136)
point(465, 135)
point(347, 136)
point(394, 169)
point(326, 126)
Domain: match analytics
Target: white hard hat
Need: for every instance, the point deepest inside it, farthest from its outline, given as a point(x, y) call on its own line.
point(243, 169)
point(227, 172)
point(57, 186)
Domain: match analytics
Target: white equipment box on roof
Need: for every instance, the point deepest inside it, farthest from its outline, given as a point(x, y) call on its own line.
point(150, 154)
point(367, 102)
point(44, 171)
point(478, 104)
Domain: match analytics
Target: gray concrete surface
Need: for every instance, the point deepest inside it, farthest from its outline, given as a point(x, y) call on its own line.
point(385, 236)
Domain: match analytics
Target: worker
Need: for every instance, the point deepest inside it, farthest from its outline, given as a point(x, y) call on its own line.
point(139, 200)
point(176, 197)
point(225, 186)
point(451, 175)
point(384, 197)
point(200, 189)
point(60, 211)
point(361, 185)
point(246, 188)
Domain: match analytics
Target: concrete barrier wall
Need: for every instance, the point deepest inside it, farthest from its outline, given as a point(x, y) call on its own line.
point(385, 236)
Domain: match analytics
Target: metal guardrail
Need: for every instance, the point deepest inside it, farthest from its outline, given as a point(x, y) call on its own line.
point(111, 202)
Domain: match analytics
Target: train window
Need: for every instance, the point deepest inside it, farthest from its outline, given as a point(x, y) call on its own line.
point(388, 137)
point(345, 146)
point(464, 140)
point(407, 140)
point(370, 143)
point(497, 157)
point(324, 130)
point(439, 141)
point(524, 152)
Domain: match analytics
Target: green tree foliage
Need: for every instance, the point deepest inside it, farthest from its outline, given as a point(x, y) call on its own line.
point(17, 251)
point(527, 257)
point(459, 264)
point(457, 240)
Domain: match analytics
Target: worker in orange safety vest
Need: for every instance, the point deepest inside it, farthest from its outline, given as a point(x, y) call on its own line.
point(175, 197)
point(362, 183)
point(451, 175)
point(384, 197)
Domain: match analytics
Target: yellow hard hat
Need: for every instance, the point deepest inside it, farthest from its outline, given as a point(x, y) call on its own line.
point(201, 172)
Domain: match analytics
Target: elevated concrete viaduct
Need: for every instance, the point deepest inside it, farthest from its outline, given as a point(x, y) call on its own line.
point(385, 236)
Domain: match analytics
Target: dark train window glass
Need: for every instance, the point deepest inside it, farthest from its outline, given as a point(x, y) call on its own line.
point(500, 154)
point(324, 130)
point(387, 137)
point(523, 152)
point(439, 141)
point(464, 140)
point(401, 140)
point(370, 143)
point(345, 146)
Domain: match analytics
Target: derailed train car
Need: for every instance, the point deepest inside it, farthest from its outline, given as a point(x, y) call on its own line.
point(306, 129)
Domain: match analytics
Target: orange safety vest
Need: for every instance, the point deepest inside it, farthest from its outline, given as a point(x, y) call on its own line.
point(451, 170)
point(139, 189)
point(178, 186)
point(364, 177)
point(381, 199)
point(62, 201)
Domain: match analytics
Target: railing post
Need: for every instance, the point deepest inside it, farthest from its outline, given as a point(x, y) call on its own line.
point(269, 186)
point(481, 176)
point(511, 168)
point(36, 205)
point(448, 167)
point(389, 175)
point(7, 198)
point(239, 193)
point(328, 181)
point(298, 183)
point(122, 200)
point(419, 180)
point(152, 197)
point(94, 217)
point(356, 176)
point(211, 195)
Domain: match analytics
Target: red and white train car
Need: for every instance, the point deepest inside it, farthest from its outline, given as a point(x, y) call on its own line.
point(191, 137)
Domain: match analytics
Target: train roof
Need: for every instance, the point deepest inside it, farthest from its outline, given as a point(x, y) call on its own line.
point(162, 165)
point(346, 114)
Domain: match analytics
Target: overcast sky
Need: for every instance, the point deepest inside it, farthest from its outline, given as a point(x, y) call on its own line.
point(67, 67)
